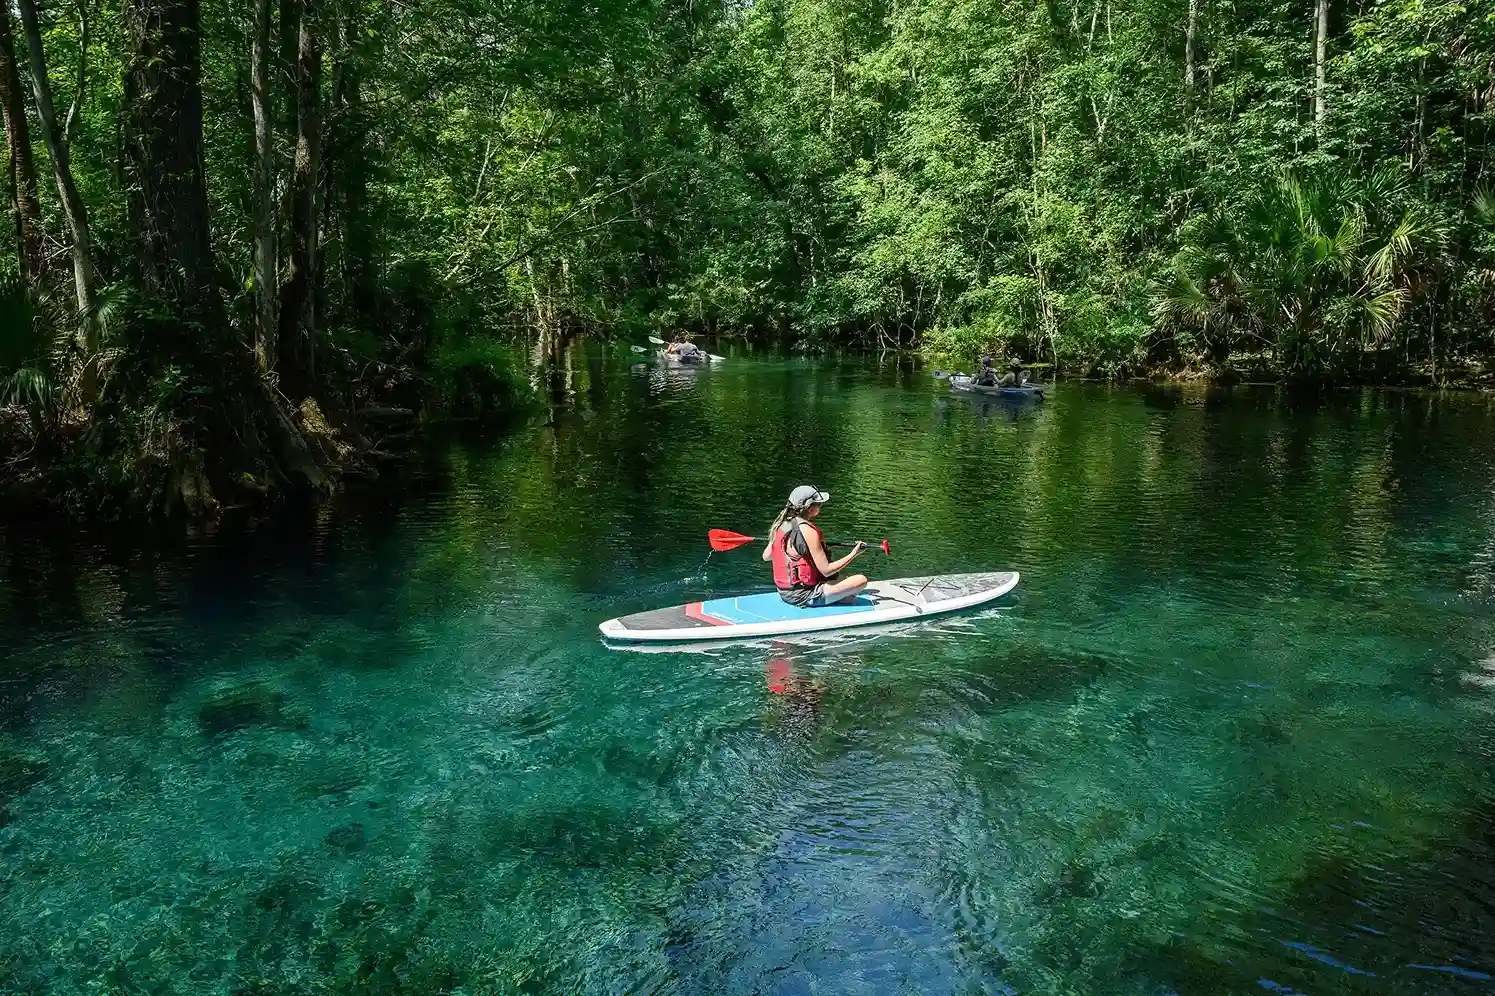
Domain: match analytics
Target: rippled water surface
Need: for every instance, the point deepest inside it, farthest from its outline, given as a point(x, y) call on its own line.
point(1234, 732)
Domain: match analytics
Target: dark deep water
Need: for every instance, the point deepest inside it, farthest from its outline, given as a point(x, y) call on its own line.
point(1235, 732)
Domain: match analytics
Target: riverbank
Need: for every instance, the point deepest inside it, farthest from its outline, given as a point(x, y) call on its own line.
point(147, 441)
point(1458, 374)
point(51, 469)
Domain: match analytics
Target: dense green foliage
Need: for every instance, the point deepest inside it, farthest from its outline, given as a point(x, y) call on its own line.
point(970, 174)
point(1217, 185)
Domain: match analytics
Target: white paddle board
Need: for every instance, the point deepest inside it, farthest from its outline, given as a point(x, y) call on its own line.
point(766, 614)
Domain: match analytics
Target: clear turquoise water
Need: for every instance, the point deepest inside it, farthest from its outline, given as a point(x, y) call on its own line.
point(1234, 733)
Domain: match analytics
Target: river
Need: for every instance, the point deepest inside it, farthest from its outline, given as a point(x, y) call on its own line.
point(1234, 731)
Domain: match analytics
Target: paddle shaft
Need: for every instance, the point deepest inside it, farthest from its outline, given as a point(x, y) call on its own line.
point(723, 540)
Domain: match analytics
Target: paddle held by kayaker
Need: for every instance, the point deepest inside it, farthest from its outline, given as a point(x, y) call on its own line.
point(805, 576)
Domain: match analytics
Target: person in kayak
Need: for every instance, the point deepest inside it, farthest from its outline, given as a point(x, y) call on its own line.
point(803, 573)
point(684, 351)
point(987, 377)
point(1015, 376)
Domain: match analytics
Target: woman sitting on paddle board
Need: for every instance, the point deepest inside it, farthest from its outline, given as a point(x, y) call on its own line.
point(802, 572)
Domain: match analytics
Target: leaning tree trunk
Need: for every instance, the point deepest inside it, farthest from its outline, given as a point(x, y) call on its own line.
point(1320, 65)
point(84, 279)
point(25, 204)
point(266, 264)
point(298, 300)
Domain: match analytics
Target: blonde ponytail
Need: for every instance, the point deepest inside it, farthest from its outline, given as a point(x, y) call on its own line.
point(778, 521)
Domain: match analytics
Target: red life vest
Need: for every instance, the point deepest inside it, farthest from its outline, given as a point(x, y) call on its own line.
point(793, 568)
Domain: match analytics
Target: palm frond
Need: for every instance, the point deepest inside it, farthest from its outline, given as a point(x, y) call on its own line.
point(1343, 250)
point(21, 338)
point(1181, 300)
point(29, 387)
point(1299, 199)
point(1191, 295)
point(113, 306)
point(1381, 312)
point(1383, 188)
point(1484, 205)
point(1387, 263)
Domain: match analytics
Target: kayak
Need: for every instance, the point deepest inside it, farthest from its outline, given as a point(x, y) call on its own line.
point(968, 385)
point(670, 359)
point(766, 614)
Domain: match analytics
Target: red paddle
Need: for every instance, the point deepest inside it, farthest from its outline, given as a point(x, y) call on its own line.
point(723, 540)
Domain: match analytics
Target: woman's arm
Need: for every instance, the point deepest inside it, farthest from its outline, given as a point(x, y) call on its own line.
point(818, 557)
point(768, 550)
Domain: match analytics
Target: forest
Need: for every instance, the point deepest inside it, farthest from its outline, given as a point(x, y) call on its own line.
point(252, 244)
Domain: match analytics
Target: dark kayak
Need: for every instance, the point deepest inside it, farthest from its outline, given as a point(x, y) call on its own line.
point(968, 385)
point(701, 359)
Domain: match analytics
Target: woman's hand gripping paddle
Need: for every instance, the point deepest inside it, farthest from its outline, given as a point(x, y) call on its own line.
point(723, 540)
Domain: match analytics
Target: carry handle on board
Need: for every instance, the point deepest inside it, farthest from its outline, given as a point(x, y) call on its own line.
point(723, 540)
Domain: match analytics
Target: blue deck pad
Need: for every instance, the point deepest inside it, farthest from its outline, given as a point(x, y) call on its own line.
point(771, 608)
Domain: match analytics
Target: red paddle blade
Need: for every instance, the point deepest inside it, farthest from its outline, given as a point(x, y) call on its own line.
point(886, 552)
point(723, 540)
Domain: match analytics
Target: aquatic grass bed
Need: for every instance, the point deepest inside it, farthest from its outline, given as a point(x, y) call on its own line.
point(403, 763)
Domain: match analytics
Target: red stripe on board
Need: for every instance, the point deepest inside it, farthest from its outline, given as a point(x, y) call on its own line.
point(694, 611)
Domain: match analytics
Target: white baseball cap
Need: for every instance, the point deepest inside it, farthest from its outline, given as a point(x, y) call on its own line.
point(806, 495)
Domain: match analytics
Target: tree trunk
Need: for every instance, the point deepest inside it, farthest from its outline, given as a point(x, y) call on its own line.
point(290, 26)
point(25, 203)
point(168, 196)
point(1320, 65)
point(266, 264)
point(349, 168)
point(1189, 33)
point(84, 279)
point(298, 301)
point(244, 425)
point(75, 110)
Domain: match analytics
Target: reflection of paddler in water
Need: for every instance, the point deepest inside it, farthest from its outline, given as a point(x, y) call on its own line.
point(800, 696)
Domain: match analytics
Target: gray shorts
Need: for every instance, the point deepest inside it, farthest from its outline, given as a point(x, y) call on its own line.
point(804, 598)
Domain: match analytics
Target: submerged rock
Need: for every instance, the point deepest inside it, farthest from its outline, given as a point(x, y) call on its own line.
point(244, 706)
point(18, 773)
point(348, 838)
